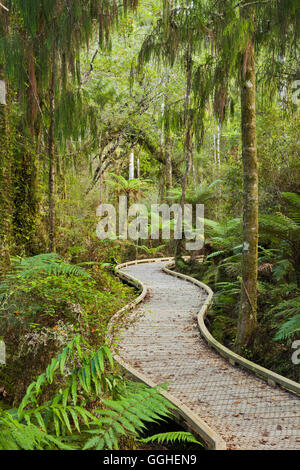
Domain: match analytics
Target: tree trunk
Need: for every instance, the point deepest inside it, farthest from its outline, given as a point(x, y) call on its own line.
point(188, 143)
point(5, 180)
point(52, 162)
point(101, 178)
point(169, 175)
point(32, 90)
point(131, 165)
point(218, 152)
point(188, 122)
point(248, 308)
point(5, 163)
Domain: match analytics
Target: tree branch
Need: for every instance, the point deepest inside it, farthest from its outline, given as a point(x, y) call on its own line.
point(4, 7)
point(240, 4)
point(90, 69)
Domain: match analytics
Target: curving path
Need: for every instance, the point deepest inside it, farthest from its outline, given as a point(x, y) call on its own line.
point(163, 343)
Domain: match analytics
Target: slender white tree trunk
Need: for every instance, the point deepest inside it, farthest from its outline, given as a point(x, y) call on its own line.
point(215, 148)
point(101, 179)
point(2, 92)
point(219, 144)
point(131, 166)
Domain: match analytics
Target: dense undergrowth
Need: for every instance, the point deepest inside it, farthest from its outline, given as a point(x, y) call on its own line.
point(45, 301)
point(60, 388)
point(80, 402)
point(279, 285)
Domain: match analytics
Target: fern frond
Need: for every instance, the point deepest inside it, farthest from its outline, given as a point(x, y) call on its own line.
point(17, 436)
point(128, 415)
point(289, 329)
point(47, 264)
point(293, 200)
point(171, 437)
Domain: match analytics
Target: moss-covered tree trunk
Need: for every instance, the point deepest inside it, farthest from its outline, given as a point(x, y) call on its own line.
point(5, 161)
point(18, 174)
point(52, 161)
point(5, 181)
point(248, 308)
point(25, 201)
point(188, 144)
point(188, 124)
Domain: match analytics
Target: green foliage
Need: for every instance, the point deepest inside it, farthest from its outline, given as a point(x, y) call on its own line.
point(41, 285)
point(152, 251)
point(67, 420)
point(17, 436)
point(135, 187)
point(293, 200)
point(204, 193)
point(46, 264)
point(44, 302)
point(288, 309)
point(171, 437)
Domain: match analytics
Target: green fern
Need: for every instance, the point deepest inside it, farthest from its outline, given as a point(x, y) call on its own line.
point(151, 251)
point(171, 437)
point(28, 269)
point(293, 200)
point(199, 195)
point(48, 264)
point(288, 309)
point(17, 436)
point(128, 416)
point(83, 377)
point(289, 329)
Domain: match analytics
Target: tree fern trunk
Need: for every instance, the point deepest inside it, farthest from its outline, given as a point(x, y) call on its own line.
point(248, 309)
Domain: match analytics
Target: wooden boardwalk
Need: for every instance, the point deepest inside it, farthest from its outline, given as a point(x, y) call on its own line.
point(163, 342)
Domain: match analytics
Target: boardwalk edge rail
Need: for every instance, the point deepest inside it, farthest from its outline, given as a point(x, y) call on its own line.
point(271, 377)
point(195, 423)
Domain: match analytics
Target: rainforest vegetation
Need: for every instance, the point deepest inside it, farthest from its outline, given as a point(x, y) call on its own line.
point(161, 101)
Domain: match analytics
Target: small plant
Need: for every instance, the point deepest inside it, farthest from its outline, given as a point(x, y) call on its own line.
point(151, 251)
